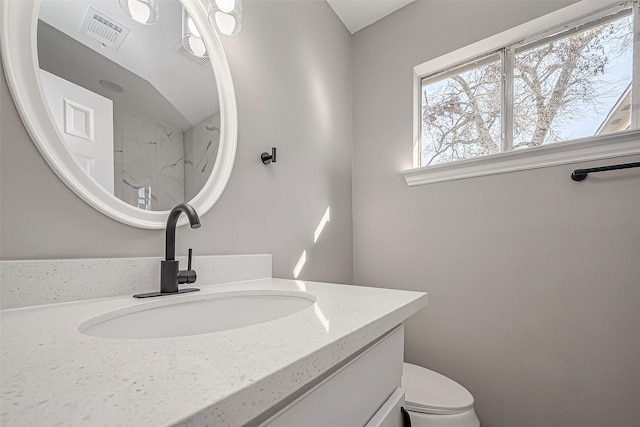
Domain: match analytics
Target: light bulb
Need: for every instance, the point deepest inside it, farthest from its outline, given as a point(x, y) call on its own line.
point(191, 38)
point(226, 16)
point(226, 5)
point(196, 46)
point(139, 11)
point(226, 23)
point(142, 11)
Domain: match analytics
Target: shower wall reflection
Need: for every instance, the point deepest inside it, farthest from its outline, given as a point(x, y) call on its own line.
point(157, 166)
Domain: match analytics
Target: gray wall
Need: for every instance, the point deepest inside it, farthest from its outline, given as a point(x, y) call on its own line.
point(533, 279)
point(291, 66)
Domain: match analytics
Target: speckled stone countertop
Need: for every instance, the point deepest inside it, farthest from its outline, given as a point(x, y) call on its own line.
point(52, 374)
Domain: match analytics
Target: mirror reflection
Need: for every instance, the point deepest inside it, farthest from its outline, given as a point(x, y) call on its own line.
point(137, 105)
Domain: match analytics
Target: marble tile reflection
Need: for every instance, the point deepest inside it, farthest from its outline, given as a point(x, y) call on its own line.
point(135, 126)
point(155, 166)
point(139, 172)
point(150, 163)
point(201, 151)
point(170, 167)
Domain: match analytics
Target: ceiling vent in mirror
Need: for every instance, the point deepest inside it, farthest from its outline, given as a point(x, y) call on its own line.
point(200, 60)
point(107, 31)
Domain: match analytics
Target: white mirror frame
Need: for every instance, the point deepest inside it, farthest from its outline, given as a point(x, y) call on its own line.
point(18, 35)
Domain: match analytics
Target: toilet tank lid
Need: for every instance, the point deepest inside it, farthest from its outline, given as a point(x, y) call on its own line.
point(432, 393)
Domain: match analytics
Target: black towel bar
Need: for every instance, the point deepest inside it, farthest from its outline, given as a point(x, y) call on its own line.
point(581, 174)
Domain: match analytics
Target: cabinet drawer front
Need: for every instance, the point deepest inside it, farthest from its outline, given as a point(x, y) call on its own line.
point(352, 395)
point(390, 414)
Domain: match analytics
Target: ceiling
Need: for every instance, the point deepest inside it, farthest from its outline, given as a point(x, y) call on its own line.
point(149, 55)
point(357, 14)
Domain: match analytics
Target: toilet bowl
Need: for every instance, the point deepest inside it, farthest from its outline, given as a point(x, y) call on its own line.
point(434, 400)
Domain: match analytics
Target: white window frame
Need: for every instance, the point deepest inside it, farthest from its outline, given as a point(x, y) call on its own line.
point(620, 144)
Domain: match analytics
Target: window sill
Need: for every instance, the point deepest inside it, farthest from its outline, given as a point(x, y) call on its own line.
point(580, 150)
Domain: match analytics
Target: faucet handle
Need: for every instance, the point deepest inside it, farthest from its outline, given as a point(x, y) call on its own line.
point(188, 275)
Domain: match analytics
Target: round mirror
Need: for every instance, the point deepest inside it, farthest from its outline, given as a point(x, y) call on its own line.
point(134, 114)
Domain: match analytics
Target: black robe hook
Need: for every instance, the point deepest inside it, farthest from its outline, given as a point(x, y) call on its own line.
point(268, 158)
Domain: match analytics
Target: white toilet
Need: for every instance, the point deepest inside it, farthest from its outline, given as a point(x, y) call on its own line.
point(434, 400)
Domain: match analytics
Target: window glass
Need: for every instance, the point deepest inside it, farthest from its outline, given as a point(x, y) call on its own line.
point(573, 83)
point(574, 86)
point(461, 114)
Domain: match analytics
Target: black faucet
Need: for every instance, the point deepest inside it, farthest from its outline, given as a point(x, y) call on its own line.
point(170, 274)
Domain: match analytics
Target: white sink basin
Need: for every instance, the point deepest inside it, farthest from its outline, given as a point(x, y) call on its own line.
point(196, 314)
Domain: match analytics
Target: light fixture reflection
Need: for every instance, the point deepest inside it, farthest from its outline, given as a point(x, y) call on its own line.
point(191, 38)
point(226, 16)
point(142, 11)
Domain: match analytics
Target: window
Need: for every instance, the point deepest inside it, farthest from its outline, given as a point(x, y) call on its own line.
point(461, 112)
point(573, 82)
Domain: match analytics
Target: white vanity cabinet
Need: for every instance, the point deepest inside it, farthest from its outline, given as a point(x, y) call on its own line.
point(336, 363)
point(364, 392)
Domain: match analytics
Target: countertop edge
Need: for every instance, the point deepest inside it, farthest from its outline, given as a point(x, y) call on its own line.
point(348, 346)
